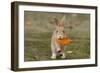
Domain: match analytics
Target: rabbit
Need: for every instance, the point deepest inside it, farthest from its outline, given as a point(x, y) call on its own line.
point(58, 33)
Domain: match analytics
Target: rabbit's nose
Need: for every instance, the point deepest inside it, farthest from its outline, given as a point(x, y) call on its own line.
point(60, 36)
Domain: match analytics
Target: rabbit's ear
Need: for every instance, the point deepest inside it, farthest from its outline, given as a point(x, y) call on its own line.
point(62, 21)
point(56, 21)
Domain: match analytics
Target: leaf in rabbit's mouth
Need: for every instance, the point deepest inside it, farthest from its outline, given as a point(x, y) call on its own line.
point(65, 41)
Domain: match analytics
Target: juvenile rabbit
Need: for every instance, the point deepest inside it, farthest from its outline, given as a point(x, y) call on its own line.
point(58, 33)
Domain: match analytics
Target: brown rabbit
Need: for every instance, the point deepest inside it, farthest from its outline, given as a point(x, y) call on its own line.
point(58, 33)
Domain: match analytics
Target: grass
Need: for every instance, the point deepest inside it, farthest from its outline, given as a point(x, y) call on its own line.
point(39, 48)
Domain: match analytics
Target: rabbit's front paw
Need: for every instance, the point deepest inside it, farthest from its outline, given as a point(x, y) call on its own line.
point(63, 56)
point(53, 56)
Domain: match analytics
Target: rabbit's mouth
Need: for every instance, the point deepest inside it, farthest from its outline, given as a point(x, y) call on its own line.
point(60, 37)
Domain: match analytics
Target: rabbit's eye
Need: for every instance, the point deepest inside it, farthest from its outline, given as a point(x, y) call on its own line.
point(63, 31)
point(57, 31)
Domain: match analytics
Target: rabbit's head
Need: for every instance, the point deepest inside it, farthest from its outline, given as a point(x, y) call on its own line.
point(59, 31)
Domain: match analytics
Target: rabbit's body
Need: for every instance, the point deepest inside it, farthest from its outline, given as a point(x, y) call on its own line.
point(58, 33)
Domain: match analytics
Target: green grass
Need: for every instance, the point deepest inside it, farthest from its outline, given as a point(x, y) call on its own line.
point(37, 47)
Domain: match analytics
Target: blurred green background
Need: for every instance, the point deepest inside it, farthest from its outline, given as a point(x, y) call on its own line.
point(38, 29)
